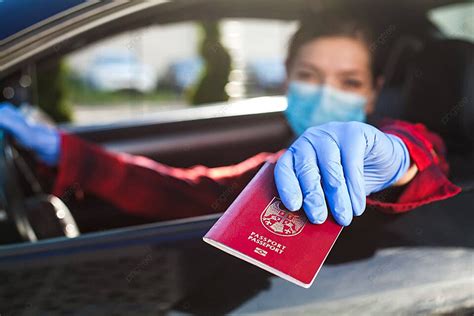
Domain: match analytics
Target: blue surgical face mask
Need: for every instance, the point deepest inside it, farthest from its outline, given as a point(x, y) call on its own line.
point(312, 104)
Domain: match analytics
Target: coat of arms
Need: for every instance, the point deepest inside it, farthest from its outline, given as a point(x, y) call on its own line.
point(277, 219)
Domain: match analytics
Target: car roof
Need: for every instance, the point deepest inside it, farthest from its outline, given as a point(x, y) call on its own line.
point(30, 29)
point(37, 12)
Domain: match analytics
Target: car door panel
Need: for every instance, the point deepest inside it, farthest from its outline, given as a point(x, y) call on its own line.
point(183, 141)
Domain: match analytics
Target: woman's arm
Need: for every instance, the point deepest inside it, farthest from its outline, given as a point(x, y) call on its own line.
point(143, 187)
point(407, 177)
point(334, 166)
point(426, 180)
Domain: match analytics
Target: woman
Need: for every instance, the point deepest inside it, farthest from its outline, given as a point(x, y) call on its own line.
point(331, 84)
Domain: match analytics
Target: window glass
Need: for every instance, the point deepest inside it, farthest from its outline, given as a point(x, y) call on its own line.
point(163, 67)
point(456, 21)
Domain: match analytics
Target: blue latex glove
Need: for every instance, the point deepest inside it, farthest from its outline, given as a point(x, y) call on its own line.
point(43, 140)
point(342, 162)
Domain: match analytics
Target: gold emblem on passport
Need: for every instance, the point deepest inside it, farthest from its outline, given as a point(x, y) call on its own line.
point(277, 219)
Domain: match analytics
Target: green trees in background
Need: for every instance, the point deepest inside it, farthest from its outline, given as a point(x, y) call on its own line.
point(53, 90)
point(217, 65)
point(55, 86)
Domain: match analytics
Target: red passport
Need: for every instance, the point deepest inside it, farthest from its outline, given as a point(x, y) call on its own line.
point(259, 229)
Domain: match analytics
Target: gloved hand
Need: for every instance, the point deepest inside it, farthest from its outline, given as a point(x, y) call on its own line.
point(43, 140)
point(342, 161)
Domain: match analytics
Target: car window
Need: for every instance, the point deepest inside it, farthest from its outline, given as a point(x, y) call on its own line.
point(455, 21)
point(161, 67)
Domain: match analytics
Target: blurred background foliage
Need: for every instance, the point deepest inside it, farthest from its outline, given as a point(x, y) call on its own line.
point(217, 66)
point(53, 90)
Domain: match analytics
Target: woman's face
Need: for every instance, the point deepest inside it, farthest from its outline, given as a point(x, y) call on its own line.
point(338, 61)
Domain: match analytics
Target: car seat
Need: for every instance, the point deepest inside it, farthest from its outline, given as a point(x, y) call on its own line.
point(437, 90)
point(433, 85)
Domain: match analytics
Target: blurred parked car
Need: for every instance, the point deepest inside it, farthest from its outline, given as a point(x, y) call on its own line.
point(116, 70)
point(182, 74)
point(267, 74)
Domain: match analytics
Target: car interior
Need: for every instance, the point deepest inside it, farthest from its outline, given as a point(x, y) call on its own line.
point(411, 71)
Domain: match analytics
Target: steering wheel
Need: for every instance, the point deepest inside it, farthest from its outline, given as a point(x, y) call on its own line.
point(38, 216)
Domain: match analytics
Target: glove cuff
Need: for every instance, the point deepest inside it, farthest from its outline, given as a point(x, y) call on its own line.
point(48, 144)
point(401, 156)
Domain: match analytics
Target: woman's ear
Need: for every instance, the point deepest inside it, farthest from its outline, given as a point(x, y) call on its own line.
point(378, 84)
